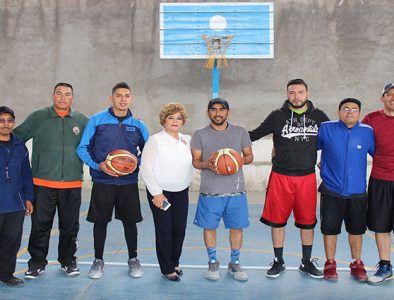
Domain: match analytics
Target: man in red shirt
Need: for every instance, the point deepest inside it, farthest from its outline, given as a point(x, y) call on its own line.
point(381, 183)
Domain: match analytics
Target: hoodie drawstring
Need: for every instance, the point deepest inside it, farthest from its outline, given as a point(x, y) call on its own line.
point(304, 126)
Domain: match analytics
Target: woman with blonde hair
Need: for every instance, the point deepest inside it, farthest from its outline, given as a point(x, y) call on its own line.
point(166, 168)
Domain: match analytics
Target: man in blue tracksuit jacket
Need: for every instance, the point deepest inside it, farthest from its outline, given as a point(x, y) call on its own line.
point(16, 186)
point(113, 129)
point(345, 145)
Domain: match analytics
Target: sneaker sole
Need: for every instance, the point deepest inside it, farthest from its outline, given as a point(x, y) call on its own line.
point(331, 278)
point(212, 278)
point(276, 275)
point(364, 279)
point(238, 279)
point(311, 275)
point(136, 276)
point(380, 282)
point(95, 276)
point(19, 285)
point(74, 273)
point(29, 276)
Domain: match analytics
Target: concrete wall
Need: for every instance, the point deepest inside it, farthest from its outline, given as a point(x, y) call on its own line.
point(342, 48)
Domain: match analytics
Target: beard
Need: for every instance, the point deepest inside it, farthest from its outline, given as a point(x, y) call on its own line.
point(218, 122)
point(297, 106)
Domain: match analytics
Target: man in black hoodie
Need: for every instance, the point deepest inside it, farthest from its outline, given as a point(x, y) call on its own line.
point(292, 183)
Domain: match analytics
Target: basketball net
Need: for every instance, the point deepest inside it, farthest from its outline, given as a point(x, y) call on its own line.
point(217, 47)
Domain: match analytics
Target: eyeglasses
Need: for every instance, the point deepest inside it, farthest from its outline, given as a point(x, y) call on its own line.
point(350, 110)
point(9, 120)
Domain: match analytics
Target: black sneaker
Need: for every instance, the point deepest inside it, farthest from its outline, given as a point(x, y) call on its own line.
point(71, 269)
point(34, 271)
point(309, 268)
point(13, 281)
point(278, 267)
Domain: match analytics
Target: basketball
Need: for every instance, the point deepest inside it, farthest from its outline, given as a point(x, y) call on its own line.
point(122, 162)
point(227, 161)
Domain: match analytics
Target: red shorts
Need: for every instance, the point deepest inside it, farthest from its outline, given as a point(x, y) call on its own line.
point(290, 193)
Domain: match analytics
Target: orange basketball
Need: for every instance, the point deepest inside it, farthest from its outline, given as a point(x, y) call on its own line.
point(121, 162)
point(227, 161)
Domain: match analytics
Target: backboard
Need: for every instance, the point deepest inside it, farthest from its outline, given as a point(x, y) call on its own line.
point(182, 26)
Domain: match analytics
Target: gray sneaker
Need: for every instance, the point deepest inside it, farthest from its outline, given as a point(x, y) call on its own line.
point(213, 271)
point(97, 269)
point(135, 269)
point(237, 272)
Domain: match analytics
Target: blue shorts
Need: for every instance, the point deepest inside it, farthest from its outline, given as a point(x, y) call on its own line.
point(233, 209)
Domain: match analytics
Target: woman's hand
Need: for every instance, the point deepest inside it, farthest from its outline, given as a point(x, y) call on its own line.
point(158, 200)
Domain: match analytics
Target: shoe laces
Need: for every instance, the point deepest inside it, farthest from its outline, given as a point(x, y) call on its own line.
point(213, 266)
point(33, 268)
point(357, 264)
point(277, 262)
point(236, 268)
point(312, 261)
point(72, 265)
point(381, 268)
point(134, 262)
point(98, 262)
point(330, 264)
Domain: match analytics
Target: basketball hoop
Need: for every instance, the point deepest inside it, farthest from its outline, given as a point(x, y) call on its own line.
point(217, 46)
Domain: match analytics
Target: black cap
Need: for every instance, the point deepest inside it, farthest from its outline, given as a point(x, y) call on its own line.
point(387, 87)
point(218, 101)
point(5, 109)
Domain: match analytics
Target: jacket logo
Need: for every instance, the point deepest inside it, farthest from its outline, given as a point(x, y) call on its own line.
point(130, 129)
point(76, 130)
point(299, 128)
point(289, 131)
point(359, 147)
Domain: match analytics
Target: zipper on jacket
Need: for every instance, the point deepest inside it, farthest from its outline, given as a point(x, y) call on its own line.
point(63, 150)
point(345, 171)
point(7, 175)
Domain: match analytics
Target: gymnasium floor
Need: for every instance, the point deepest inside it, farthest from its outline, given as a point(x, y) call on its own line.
point(256, 256)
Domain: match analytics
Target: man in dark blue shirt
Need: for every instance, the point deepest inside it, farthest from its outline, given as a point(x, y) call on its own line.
point(16, 186)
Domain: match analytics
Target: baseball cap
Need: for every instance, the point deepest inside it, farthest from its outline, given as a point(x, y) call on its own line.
point(387, 87)
point(218, 101)
point(5, 109)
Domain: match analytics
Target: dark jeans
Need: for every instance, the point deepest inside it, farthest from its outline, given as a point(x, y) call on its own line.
point(68, 203)
point(11, 227)
point(170, 227)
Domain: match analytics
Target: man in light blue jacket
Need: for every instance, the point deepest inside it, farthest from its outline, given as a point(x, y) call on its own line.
point(345, 144)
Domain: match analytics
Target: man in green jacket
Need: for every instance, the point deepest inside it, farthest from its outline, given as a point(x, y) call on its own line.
point(57, 177)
